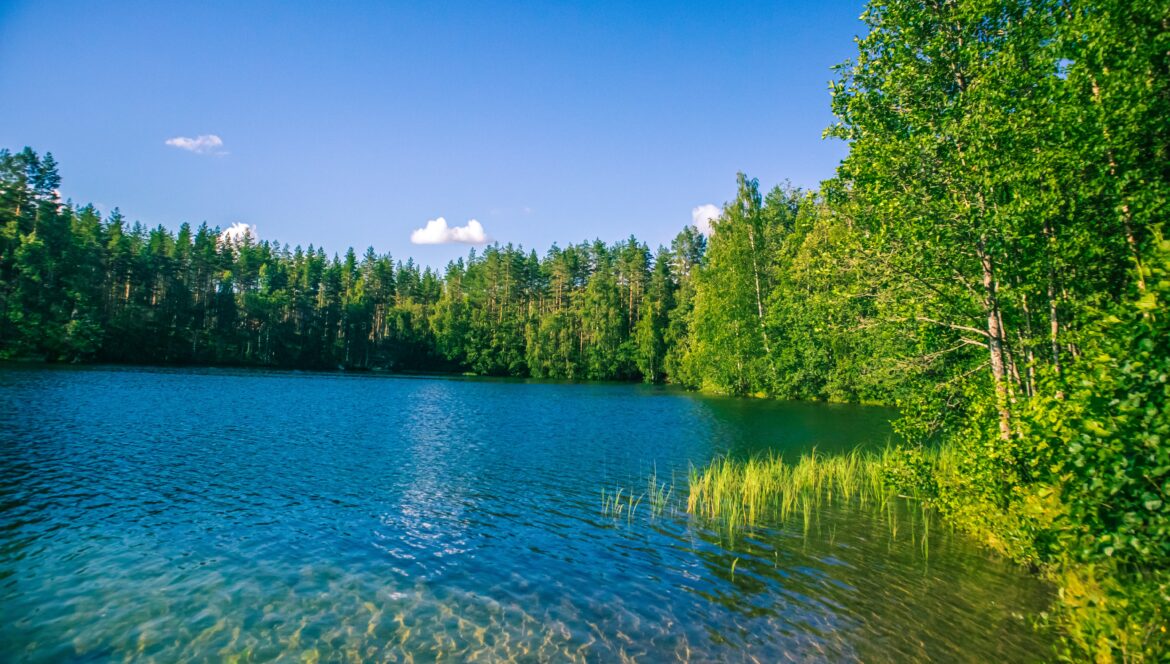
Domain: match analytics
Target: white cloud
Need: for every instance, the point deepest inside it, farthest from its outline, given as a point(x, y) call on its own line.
point(438, 232)
point(202, 144)
point(701, 217)
point(236, 232)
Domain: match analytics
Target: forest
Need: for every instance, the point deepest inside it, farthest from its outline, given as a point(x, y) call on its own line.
point(758, 308)
point(990, 257)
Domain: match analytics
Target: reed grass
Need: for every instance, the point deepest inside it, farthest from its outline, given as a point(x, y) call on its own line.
point(744, 492)
point(659, 494)
point(620, 503)
point(762, 490)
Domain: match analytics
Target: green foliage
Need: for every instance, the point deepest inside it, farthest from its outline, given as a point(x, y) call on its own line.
point(1008, 173)
point(1104, 438)
point(731, 351)
point(76, 286)
point(1111, 614)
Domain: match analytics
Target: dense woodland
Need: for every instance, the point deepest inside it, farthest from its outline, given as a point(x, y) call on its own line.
point(80, 287)
point(990, 257)
point(77, 286)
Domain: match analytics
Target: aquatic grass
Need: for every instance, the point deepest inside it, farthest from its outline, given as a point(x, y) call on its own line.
point(745, 493)
point(659, 494)
point(611, 503)
point(925, 532)
point(620, 503)
point(739, 494)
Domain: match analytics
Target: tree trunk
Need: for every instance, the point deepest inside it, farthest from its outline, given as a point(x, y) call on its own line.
point(1053, 313)
point(1027, 343)
point(760, 304)
point(1126, 212)
point(995, 341)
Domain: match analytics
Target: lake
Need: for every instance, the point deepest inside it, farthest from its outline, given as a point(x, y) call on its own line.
point(206, 515)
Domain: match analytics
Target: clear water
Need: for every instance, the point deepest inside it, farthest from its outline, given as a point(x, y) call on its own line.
point(202, 515)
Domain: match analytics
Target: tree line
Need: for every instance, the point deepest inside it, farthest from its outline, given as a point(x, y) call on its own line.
point(744, 311)
point(77, 286)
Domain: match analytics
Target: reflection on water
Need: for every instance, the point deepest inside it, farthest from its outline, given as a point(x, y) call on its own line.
point(753, 426)
point(210, 515)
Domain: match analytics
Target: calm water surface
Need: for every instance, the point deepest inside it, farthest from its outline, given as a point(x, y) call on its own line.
point(208, 515)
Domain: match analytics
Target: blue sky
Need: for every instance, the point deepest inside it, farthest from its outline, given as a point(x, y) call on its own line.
point(355, 123)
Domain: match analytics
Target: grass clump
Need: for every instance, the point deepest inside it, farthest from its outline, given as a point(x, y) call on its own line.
point(620, 503)
point(659, 494)
point(745, 492)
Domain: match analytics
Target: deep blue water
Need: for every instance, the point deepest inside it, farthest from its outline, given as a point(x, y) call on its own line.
point(203, 515)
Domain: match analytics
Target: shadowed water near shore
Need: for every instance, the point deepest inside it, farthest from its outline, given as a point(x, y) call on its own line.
point(206, 515)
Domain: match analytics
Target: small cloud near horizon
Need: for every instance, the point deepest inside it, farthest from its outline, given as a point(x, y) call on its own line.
point(235, 233)
point(201, 144)
point(701, 217)
point(438, 232)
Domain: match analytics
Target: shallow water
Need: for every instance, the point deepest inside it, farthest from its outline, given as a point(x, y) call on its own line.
point(204, 515)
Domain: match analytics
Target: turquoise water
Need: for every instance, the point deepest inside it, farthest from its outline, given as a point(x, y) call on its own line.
point(206, 515)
